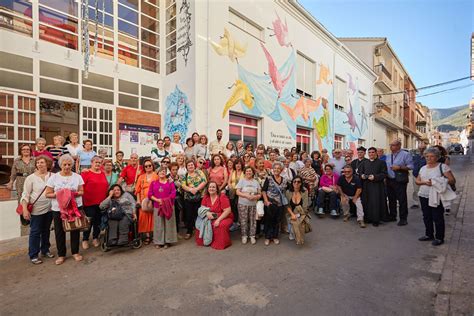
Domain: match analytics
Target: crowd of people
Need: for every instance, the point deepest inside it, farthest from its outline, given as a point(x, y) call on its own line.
point(208, 190)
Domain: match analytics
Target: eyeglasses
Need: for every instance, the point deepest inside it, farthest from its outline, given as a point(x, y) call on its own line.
point(200, 162)
point(346, 171)
point(146, 166)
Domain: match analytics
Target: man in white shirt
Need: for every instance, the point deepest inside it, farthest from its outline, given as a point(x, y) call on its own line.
point(217, 146)
point(337, 161)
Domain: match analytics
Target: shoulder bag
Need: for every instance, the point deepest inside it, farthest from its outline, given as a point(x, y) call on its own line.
point(130, 188)
point(453, 186)
point(146, 204)
point(188, 195)
point(29, 206)
point(400, 176)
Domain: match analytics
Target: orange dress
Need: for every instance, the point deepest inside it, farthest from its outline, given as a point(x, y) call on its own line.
point(145, 219)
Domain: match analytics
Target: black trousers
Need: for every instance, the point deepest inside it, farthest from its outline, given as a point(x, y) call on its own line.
point(60, 236)
point(272, 220)
point(94, 213)
point(233, 207)
point(190, 214)
point(430, 215)
point(332, 199)
point(397, 191)
point(178, 209)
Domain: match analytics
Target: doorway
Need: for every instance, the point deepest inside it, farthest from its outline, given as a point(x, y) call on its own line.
point(58, 118)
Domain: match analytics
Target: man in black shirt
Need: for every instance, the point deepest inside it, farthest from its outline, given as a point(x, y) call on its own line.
point(350, 188)
point(356, 163)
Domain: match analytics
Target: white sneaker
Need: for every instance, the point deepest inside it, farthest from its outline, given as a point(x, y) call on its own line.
point(253, 241)
point(244, 240)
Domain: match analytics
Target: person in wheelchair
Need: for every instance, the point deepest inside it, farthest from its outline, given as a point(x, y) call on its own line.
point(350, 189)
point(328, 189)
point(119, 207)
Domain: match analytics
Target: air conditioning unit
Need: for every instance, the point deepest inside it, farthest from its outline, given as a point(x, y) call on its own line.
point(378, 52)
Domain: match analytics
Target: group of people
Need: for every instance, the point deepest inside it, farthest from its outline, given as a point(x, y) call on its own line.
point(210, 190)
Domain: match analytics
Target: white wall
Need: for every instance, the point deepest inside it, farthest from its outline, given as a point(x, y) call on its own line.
point(9, 220)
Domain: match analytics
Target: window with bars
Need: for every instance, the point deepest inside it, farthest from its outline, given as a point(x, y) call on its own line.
point(170, 32)
point(16, 16)
point(58, 22)
point(303, 139)
point(338, 141)
point(17, 116)
point(97, 125)
point(243, 128)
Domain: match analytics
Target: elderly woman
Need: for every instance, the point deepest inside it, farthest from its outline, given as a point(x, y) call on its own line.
point(274, 198)
point(181, 162)
point(119, 229)
point(428, 173)
point(248, 192)
point(65, 179)
point(145, 218)
point(310, 178)
point(23, 166)
point(200, 149)
point(110, 175)
point(95, 191)
point(84, 156)
point(229, 149)
point(74, 146)
point(316, 162)
point(192, 185)
point(189, 148)
point(220, 216)
point(327, 187)
point(119, 163)
point(130, 174)
point(57, 150)
point(163, 192)
point(41, 148)
point(40, 217)
point(159, 153)
point(239, 148)
point(176, 147)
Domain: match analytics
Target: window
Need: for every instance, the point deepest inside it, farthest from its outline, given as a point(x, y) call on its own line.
point(128, 32)
point(16, 129)
point(105, 35)
point(128, 94)
point(246, 25)
point(338, 141)
point(59, 80)
point(361, 142)
point(305, 76)
point(150, 98)
point(340, 89)
point(16, 16)
point(243, 128)
point(303, 139)
point(171, 37)
point(58, 23)
point(98, 88)
point(16, 71)
point(97, 125)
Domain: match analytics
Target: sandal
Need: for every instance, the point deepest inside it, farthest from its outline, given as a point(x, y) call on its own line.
point(77, 257)
point(60, 260)
point(147, 241)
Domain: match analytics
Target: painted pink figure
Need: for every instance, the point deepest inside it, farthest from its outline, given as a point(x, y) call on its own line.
point(275, 75)
point(351, 119)
point(352, 85)
point(303, 107)
point(281, 31)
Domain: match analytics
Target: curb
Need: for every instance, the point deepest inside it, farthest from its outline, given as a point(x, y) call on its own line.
point(444, 289)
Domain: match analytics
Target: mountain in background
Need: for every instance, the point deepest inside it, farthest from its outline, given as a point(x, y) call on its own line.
point(451, 119)
point(439, 114)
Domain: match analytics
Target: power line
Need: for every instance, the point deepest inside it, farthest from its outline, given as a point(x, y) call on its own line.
point(455, 88)
point(426, 87)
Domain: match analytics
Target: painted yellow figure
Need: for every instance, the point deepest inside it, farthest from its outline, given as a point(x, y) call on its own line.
point(241, 93)
point(228, 46)
point(322, 125)
point(324, 74)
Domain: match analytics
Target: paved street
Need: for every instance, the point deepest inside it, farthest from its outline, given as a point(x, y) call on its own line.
point(341, 270)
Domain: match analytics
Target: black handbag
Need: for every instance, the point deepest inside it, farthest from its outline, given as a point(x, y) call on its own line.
point(115, 212)
point(188, 196)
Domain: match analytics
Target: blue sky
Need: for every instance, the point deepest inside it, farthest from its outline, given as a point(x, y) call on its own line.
point(431, 37)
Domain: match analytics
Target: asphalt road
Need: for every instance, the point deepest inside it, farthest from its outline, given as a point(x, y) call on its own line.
point(341, 270)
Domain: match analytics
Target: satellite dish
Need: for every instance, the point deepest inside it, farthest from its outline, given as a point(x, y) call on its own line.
point(5, 172)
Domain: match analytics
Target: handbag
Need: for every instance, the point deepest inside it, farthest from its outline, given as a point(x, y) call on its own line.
point(260, 209)
point(400, 176)
point(130, 188)
point(453, 186)
point(115, 212)
point(29, 206)
point(283, 199)
point(188, 196)
point(81, 223)
point(146, 204)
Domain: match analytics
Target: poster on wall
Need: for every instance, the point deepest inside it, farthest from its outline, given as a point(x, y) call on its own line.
point(137, 139)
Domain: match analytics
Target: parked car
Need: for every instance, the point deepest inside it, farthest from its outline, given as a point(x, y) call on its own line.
point(456, 149)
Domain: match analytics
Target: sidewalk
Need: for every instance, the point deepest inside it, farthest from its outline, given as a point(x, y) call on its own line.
point(455, 293)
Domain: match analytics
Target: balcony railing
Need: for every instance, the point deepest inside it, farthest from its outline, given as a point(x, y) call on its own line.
point(385, 71)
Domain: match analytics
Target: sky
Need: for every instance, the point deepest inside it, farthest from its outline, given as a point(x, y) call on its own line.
point(432, 38)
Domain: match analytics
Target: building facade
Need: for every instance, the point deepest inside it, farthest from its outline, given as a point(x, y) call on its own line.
point(409, 114)
point(423, 123)
point(390, 95)
point(124, 73)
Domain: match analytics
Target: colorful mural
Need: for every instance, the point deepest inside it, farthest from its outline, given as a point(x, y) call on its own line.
point(177, 114)
point(230, 47)
point(241, 93)
point(280, 31)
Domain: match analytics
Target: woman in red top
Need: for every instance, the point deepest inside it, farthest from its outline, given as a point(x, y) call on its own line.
point(95, 191)
point(218, 173)
point(219, 204)
point(130, 174)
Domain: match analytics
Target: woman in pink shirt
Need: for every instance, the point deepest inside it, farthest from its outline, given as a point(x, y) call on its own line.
point(95, 191)
point(218, 173)
point(41, 148)
point(327, 187)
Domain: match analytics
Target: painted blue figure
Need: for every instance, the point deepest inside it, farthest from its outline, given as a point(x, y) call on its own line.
point(177, 114)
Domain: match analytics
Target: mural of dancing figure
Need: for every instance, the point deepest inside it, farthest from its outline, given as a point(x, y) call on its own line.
point(275, 76)
point(303, 107)
point(228, 46)
point(351, 119)
point(280, 31)
point(241, 93)
point(324, 75)
point(321, 126)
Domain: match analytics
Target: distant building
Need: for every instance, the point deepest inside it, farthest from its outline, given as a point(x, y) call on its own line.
point(389, 89)
point(423, 123)
point(409, 114)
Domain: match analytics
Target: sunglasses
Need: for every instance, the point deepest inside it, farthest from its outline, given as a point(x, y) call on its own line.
point(165, 162)
point(146, 166)
point(297, 181)
point(346, 171)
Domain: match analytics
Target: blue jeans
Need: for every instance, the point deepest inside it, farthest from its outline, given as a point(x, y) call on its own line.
point(39, 234)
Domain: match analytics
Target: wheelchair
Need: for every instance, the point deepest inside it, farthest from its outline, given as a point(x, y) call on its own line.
point(325, 206)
